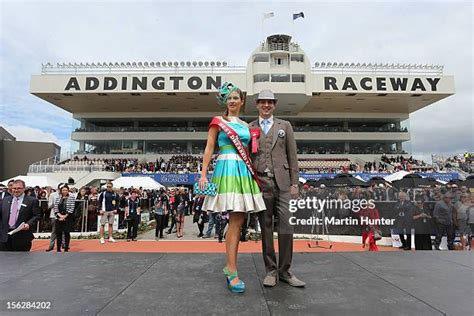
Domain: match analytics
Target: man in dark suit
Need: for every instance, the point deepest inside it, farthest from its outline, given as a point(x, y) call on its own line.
point(276, 165)
point(16, 209)
point(4, 192)
point(404, 220)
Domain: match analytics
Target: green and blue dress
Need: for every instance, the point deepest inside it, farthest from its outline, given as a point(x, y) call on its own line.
point(237, 189)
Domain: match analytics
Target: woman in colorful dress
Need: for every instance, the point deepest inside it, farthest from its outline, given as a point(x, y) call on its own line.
point(237, 190)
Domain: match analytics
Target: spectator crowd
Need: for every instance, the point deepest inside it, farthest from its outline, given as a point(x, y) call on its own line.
point(426, 213)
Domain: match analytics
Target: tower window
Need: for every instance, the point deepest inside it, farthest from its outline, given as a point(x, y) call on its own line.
point(280, 78)
point(297, 78)
point(261, 58)
point(261, 78)
point(297, 57)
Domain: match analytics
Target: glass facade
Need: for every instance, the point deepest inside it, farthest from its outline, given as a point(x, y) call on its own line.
point(182, 145)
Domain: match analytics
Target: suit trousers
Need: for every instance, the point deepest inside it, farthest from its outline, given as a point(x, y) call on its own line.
point(16, 243)
point(53, 233)
point(160, 222)
point(277, 204)
point(63, 228)
point(173, 221)
point(132, 228)
point(406, 242)
point(448, 230)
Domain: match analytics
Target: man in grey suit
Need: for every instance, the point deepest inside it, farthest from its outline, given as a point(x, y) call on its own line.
point(276, 165)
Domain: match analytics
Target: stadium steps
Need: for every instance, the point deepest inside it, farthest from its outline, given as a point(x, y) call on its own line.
point(94, 178)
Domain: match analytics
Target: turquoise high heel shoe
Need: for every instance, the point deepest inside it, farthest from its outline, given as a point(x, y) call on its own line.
point(234, 288)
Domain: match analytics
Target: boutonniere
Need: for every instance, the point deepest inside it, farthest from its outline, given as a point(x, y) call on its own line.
point(255, 134)
point(281, 133)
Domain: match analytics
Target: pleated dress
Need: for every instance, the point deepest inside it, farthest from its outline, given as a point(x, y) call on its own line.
point(237, 189)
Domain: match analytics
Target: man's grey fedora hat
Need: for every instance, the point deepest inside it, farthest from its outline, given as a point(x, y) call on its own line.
point(266, 95)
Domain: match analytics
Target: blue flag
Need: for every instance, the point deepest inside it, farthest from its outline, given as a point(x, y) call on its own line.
point(298, 15)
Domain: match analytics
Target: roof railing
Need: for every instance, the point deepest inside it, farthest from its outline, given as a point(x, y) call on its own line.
point(164, 67)
point(376, 68)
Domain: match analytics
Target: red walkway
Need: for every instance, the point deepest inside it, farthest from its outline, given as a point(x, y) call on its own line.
point(184, 246)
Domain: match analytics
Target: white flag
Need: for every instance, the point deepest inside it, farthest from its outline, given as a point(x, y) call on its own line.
point(268, 15)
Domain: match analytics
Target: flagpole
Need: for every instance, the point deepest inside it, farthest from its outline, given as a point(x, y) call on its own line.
point(293, 27)
point(264, 17)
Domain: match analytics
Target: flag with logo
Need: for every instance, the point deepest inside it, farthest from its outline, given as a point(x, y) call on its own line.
point(268, 15)
point(298, 15)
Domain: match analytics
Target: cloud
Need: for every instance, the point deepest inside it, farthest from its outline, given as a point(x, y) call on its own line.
point(427, 32)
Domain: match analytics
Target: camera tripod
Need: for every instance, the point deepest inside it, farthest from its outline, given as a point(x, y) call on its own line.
point(320, 230)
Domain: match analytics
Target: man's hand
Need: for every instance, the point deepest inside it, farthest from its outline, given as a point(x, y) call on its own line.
point(101, 212)
point(26, 227)
point(294, 192)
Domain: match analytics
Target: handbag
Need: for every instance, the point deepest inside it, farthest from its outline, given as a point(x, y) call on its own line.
point(377, 234)
point(210, 189)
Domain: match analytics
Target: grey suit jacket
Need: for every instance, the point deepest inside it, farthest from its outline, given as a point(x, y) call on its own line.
point(284, 158)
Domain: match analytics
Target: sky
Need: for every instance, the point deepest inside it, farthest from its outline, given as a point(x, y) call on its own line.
point(412, 32)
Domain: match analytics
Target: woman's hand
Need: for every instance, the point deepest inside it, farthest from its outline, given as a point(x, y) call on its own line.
point(202, 183)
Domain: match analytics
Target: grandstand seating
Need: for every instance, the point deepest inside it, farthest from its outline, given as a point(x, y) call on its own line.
point(323, 163)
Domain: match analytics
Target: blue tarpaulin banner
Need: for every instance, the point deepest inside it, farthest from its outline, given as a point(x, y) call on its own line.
point(171, 179)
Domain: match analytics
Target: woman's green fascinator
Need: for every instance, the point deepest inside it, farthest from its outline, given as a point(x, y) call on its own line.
point(224, 91)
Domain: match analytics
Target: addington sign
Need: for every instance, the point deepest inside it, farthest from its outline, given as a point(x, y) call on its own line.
point(142, 83)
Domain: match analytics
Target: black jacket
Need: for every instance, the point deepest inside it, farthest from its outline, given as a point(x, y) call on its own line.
point(29, 213)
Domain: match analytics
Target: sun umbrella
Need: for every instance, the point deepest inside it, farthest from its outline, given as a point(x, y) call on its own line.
point(414, 181)
point(396, 176)
point(346, 180)
point(469, 182)
point(457, 182)
point(377, 180)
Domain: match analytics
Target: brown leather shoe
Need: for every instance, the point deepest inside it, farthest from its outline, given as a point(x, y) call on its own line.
point(270, 280)
point(292, 280)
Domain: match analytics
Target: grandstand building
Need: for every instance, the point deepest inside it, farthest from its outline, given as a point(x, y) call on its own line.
point(348, 111)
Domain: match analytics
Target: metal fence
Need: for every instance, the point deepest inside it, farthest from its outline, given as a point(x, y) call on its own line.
point(86, 219)
point(64, 168)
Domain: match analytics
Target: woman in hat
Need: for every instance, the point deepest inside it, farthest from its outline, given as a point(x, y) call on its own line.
point(237, 189)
